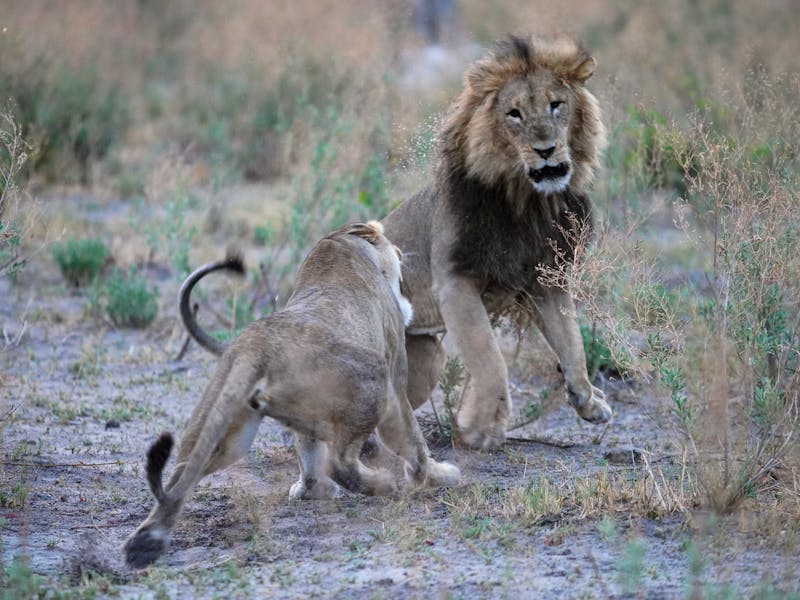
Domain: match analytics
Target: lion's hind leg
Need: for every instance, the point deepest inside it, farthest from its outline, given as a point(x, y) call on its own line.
point(237, 439)
point(314, 482)
point(426, 358)
point(151, 539)
point(221, 429)
point(349, 472)
point(146, 545)
point(400, 431)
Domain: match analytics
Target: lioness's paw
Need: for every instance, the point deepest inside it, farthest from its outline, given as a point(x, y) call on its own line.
point(432, 474)
point(595, 409)
point(318, 489)
point(440, 474)
point(144, 547)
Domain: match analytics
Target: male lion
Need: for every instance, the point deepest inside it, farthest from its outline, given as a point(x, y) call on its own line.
point(334, 369)
point(516, 158)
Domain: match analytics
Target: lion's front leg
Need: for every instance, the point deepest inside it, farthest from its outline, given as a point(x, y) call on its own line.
point(485, 410)
point(560, 327)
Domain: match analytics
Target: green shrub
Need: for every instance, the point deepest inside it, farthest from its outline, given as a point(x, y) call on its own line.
point(130, 302)
point(451, 378)
point(169, 238)
point(19, 580)
point(241, 314)
point(598, 354)
point(241, 311)
point(263, 234)
point(242, 123)
point(80, 261)
point(736, 393)
point(631, 567)
point(644, 152)
point(336, 188)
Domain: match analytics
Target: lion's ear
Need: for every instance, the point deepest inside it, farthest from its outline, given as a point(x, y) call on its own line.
point(476, 77)
point(369, 231)
point(584, 69)
point(488, 76)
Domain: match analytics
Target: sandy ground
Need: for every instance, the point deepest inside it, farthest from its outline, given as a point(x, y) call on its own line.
point(81, 401)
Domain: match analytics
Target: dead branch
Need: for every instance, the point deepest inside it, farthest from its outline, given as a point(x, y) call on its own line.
point(52, 465)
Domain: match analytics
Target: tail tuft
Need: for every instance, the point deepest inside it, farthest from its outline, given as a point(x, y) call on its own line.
point(234, 261)
point(157, 456)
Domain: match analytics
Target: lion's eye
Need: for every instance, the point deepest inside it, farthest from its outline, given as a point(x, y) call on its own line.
point(556, 107)
point(514, 114)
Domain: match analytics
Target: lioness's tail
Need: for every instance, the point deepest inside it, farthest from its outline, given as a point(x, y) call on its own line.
point(233, 263)
point(157, 456)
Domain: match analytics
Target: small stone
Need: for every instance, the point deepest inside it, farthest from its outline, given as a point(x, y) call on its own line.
point(624, 456)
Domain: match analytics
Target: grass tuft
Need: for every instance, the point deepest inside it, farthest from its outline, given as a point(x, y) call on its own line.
point(130, 301)
point(80, 261)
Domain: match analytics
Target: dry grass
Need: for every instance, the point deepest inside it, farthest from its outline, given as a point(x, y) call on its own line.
point(14, 225)
point(14, 154)
point(648, 491)
point(722, 340)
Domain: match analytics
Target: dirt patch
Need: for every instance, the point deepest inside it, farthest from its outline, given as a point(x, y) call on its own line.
point(566, 509)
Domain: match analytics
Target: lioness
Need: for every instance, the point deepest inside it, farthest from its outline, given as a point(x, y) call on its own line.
point(334, 369)
point(516, 157)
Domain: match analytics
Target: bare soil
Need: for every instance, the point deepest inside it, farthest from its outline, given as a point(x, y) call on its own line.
point(80, 401)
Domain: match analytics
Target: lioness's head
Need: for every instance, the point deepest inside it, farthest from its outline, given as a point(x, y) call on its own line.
point(524, 113)
point(389, 260)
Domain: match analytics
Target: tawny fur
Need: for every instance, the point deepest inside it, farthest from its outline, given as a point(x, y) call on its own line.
point(333, 368)
point(516, 158)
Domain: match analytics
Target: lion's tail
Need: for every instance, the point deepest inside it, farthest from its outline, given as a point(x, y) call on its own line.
point(230, 390)
point(233, 262)
point(157, 456)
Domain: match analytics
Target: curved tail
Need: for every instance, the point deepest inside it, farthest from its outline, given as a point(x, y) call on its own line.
point(233, 263)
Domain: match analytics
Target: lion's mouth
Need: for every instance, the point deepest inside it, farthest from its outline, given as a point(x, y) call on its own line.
point(548, 172)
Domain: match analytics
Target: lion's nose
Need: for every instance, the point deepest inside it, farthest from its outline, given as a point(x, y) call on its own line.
point(545, 152)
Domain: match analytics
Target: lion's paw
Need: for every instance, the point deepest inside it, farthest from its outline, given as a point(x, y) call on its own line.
point(482, 438)
point(144, 547)
point(483, 417)
point(441, 474)
point(434, 474)
point(315, 489)
point(595, 409)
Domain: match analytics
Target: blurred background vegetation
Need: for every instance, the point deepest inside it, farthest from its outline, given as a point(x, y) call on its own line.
point(269, 124)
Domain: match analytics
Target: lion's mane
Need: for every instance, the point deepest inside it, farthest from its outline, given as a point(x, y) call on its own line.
point(506, 227)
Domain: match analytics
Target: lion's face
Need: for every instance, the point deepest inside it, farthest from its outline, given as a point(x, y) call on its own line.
point(525, 118)
point(533, 114)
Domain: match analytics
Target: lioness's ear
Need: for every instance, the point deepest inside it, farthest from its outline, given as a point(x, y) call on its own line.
point(369, 231)
point(584, 70)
